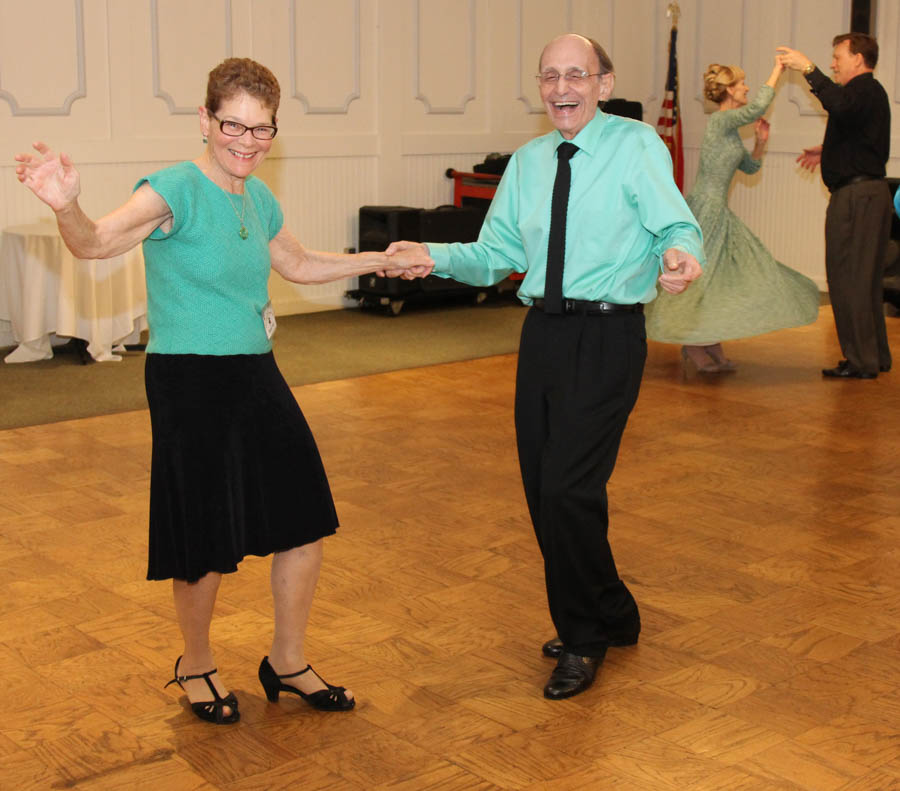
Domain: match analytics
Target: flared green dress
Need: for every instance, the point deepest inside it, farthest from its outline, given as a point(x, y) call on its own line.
point(743, 291)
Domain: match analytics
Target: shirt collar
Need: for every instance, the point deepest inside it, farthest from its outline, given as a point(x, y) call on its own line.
point(869, 74)
point(588, 139)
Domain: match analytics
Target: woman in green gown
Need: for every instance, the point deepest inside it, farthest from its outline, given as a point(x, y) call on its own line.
point(744, 290)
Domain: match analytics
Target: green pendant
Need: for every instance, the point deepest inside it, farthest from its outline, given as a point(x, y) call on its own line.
point(243, 233)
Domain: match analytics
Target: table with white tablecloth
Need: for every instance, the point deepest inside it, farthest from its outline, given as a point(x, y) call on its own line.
point(46, 293)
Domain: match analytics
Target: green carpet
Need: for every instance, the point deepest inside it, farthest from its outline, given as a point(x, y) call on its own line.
point(312, 347)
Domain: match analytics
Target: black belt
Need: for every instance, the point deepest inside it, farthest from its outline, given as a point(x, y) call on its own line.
point(857, 180)
point(584, 306)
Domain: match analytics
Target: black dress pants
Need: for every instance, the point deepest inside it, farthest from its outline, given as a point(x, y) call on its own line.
point(857, 228)
point(577, 381)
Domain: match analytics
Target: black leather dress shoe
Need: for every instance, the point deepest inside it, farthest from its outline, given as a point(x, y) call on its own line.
point(553, 649)
point(881, 367)
point(846, 372)
point(572, 675)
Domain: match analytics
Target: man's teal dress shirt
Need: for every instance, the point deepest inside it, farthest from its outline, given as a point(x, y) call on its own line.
point(624, 212)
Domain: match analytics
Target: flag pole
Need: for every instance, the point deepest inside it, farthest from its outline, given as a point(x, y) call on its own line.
point(673, 11)
point(669, 124)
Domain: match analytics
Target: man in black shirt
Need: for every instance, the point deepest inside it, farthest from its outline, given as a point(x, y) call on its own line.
point(857, 224)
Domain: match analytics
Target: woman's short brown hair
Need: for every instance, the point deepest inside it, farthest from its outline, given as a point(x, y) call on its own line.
point(717, 79)
point(242, 75)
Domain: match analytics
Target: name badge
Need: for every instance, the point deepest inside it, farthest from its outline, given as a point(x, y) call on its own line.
point(268, 317)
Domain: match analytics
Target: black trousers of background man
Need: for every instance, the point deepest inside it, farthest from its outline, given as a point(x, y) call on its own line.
point(577, 381)
point(857, 228)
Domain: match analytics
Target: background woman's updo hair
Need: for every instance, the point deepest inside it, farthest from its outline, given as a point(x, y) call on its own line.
point(242, 75)
point(718, 78)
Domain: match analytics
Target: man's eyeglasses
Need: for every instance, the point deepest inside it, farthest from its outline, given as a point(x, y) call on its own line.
point(234, 129)
point(572, 75)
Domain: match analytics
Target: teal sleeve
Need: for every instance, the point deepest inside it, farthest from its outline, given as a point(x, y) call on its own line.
point(498, 251)
point(440, 254)
point(661, 206)
point(748, 164)
point(732, 119)
point(170, 184)
point(276, 222)
point(897, 201)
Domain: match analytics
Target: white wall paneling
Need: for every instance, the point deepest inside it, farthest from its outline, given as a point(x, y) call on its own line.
point(537, 23)
point(179, 30)
point(321, 198)
point(444, 32)
point(637, 67)
point(886, 23)
point(23, 69)
point(174, 28)
point(715, 41)
point(325, 58)
point(380, 97)
point(423, 189)
point(813, 25)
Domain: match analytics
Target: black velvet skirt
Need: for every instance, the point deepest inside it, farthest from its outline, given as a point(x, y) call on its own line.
point(235, 468)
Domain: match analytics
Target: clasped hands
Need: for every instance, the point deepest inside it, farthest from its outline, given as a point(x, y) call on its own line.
point(792, 58)
point(407, 260)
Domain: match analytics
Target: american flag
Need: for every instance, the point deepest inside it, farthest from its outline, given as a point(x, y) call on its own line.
point(669, 124)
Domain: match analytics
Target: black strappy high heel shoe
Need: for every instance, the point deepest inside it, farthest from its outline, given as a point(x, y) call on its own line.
point(210, 710)
point(330, 699)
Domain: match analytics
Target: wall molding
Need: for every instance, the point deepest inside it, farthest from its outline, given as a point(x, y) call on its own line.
point(417, 68)
point(308, 107)
point(80, 91)
point(742, 53)
point(796, 95)
point(158, 91)
point(655, 75)
point(520, 59)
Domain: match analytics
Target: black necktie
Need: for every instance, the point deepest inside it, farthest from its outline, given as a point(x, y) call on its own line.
point(556, 243)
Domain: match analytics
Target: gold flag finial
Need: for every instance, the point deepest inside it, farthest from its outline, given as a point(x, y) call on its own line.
point(673, 11)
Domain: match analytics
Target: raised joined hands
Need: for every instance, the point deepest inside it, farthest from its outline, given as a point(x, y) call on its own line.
point(50, 176)
point(792, 58)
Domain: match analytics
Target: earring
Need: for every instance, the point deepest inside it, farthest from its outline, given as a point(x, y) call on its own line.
point(205, 140)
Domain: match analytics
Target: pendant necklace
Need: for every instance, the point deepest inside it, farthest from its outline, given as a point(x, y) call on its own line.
point(243, 233)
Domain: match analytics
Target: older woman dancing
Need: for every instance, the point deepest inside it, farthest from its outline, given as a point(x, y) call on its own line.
point(235, 469)
point(744, 290)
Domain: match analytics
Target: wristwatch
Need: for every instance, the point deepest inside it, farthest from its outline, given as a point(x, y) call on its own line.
point(809, 68)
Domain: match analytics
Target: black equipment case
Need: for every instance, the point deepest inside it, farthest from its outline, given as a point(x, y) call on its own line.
point(381, 225)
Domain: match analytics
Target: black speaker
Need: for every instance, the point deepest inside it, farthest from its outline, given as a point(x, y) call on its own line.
point(381, 225)
point(624, 108)
point(450, 224)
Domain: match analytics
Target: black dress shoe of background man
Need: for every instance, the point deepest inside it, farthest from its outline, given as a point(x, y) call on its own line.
point(553, 649)
point(572, 675)
point(882, 368)
point(846, 372)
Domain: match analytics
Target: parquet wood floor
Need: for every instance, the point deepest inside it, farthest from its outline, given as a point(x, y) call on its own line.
point(756, 517)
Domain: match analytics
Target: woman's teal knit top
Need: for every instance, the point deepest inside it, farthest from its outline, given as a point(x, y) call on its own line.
point(206, 285)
